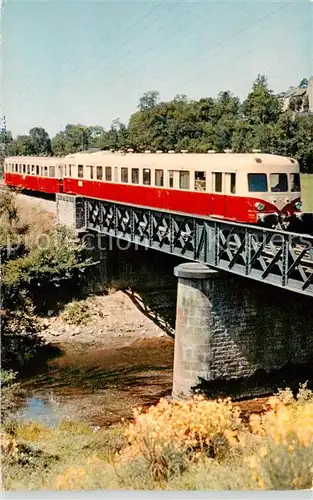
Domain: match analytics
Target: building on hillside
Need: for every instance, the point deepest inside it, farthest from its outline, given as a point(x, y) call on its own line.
point(297, 99)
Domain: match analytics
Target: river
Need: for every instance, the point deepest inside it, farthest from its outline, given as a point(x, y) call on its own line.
point(99, 385)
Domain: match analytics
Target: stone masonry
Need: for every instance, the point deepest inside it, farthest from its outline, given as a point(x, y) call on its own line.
point(70, 211)
point(228, 328)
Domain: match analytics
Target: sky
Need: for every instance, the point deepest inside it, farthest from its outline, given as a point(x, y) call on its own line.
point(89, 62)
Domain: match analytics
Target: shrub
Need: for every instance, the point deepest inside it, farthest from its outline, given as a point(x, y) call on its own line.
point(171, 433)
point(76, 313)
point(284, 459)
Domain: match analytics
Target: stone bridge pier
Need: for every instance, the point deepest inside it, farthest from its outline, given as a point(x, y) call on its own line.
point(229, 329)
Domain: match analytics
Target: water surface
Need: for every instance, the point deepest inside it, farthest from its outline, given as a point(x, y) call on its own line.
point(100, 385)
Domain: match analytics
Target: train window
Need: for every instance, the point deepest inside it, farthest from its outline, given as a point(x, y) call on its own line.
point(70, 170)
point(184, 179)
point(41, 171)
point(16, 167)
point(257, 183)
point(33, 169)
point(45, 171)
point(37, 169)
point(218, 184)
point(200, 181)
point(171, 178)
point(159, 177)
point(279, 183)
point(124, 174)
point(80, 171)
point(295, 183)
point(51, 171)
point(91, 171)
point(99, 173)
point(24, 169)
point(135, 175)
point(28, 169)
point(230, 183)
point(146, 176)
point(108, 173)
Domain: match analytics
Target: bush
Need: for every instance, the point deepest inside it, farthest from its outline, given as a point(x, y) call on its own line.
point(172, 446)
point(171, 433)
point(284, 459)
point(76, 313)
point(40, 265)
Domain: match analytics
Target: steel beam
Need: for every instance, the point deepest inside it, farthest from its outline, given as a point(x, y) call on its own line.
point(278, 258)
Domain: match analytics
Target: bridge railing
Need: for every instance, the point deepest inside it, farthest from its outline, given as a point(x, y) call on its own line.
point(278, 258)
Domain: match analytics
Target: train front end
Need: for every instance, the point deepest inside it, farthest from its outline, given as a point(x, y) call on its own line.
point(276, 194)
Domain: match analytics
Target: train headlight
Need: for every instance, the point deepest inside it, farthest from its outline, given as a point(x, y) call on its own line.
point(259, 206)
point(298, 205)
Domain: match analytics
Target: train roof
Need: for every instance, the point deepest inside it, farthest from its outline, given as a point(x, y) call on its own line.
point(33, 160)
point(193, 161)
point(190, 161)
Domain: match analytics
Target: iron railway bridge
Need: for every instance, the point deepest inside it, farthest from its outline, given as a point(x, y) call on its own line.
point(278, 258)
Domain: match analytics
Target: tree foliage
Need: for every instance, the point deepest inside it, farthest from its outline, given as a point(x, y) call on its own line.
point(216, 123)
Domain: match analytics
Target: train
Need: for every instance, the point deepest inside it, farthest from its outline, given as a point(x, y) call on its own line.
point(249, 188)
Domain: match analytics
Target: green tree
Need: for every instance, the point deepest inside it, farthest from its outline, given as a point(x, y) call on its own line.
point(22, 146)
point(73, 139)
point(261, 105)
point(303, 140)
point(41, 141)
point(149, 100)
point(59, 144)
point(115, 138)
point(95, 134)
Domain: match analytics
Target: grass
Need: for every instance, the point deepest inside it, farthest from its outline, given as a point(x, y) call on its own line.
point(307, 192)
point(195, 445)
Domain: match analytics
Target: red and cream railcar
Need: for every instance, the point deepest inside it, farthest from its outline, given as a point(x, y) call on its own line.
point(249, 188)
point(34, 173)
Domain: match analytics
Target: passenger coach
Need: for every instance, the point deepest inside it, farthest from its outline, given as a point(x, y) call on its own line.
point(249, 188)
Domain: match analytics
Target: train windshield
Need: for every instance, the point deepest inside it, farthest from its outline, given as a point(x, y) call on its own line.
point(279, 183)
point(295, 183)
point(257, 183)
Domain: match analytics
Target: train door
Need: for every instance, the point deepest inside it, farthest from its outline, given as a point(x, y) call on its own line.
point(229, 199)
point(60, 177)
point(218, 203)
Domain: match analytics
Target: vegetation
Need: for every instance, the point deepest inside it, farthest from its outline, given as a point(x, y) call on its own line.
point(194, 445)
point(197, 126)
point(40, 264)
point(76, 313)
